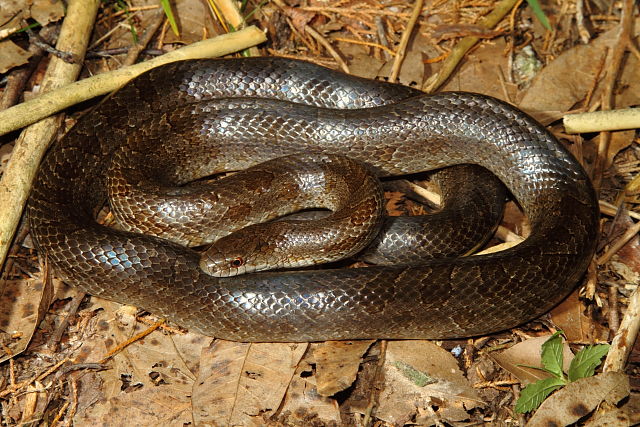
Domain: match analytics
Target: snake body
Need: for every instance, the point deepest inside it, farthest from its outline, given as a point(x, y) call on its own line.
point(299, 107)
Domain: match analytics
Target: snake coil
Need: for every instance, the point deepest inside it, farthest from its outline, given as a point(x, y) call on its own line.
point(302, 107)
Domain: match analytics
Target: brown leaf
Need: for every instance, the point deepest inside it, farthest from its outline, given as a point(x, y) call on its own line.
point(611, 418)
point(412, 69)
point(361, 63)
point(242, 384)
point(484, 72)
point(11, 56)
point(579, 398)
point(337, 364)
point(619, 141)
point(528, 353)
point(303, 405)
point(24, 304)
point(45, 11)
point(419, 375)
point(554, 90)
point(570, 318)
point(149, 382)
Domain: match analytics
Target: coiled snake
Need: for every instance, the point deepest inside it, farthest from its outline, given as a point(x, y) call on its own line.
point(300, 108)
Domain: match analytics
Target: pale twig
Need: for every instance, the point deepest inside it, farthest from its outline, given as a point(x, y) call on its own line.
point(628, 235)
point(325, 43)
point(52, 102)
point(613, 70)
point(404, 40)
point(229, 10)
point(600, 121)
point(32, 143)
point(622, 342)
point(611, 210)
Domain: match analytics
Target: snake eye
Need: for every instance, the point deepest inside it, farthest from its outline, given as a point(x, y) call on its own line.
point(238, 262)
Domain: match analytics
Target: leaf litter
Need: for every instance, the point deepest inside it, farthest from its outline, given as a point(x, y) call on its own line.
point(172, 377)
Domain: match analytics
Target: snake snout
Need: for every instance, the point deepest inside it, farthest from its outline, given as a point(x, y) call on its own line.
point(217, 263)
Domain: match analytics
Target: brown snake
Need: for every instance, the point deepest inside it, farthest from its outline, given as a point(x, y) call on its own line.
point(300, 107)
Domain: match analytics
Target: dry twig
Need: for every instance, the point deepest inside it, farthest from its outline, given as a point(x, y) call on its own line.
point(404, 41)
point(613, 70)
point(32, 143)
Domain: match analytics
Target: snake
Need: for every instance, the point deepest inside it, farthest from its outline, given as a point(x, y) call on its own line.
point(192, 119)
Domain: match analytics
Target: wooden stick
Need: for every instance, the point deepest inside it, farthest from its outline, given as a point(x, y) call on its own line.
point(404, 41)
point(622, 343)
point(600, 121)
point(52, 102)
point(33, 142)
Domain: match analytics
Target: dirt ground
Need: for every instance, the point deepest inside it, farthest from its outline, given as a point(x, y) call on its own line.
point(72, 359)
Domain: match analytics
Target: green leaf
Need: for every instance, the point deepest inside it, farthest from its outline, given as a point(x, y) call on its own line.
point(166, 7)
point(534, 394)
point(537, 10)
point(552, 354)
point(586, 361)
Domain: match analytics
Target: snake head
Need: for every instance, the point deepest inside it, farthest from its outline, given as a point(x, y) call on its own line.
point(233, 255)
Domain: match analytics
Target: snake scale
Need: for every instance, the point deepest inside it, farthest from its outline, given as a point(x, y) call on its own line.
point(297, 107)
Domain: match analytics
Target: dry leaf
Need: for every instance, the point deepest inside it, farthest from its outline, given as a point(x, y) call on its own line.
point(45, 11)
point(337, 364)
point(484, 72)
point(570, 318)
point(194, 21)
point(613, 418)
point(299, 18)
point(528, 353)
point(148, 382)
point(13, 14)
point(243, 384)
point(361, 63)
point(11, 17)
point(11, 56)
point(619, 141)
point(303, 405)
point(412, 69)
point(421, 375)
point(24, 304)
point(579, 398)
point(554, 91)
